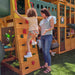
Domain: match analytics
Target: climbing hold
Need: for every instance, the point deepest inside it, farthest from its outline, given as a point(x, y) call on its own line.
point(33, 46)
point(24, 31)
point(20, 23)
point(33, 62)
point(25, 59)
point(26, 67)
point(21, 36)
point(30, 41)
point(33, 53)
point(23, 44)
point(26, 21)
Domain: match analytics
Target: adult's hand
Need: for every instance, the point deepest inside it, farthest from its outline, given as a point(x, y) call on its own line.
point(45, 31)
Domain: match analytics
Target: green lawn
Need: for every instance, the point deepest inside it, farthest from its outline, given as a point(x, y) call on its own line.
point(63, 64)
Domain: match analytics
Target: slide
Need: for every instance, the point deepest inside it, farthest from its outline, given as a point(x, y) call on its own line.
point(1, 54)
point(71, 25)
point(4, 8)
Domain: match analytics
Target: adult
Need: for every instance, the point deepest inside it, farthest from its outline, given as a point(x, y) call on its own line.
point(46, 27)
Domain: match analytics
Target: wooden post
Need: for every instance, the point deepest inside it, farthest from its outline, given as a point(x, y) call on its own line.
point(26, 6)
point(58, 14)
point(0, 31)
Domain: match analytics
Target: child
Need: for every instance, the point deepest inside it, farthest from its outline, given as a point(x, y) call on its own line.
point(39, 43)
point(33, 28)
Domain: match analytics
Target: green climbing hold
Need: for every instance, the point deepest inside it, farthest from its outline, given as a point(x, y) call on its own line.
point(33, 53)
point(23, 44)
point(21, 36)
point(25, 59)
point(33, 46)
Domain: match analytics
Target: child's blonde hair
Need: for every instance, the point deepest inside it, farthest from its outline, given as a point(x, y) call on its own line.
point(31, 12)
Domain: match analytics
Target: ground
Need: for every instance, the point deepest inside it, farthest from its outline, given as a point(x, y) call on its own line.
point(63, 64)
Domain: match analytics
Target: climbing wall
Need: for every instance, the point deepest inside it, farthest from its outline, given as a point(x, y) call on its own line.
point(27, 65)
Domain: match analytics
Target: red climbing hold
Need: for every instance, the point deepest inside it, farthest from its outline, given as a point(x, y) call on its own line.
point(24, 31)
point(33, 62)
point(26, 21)
point(30, 41)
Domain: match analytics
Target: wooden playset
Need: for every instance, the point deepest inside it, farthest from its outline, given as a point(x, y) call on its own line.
point(12, 24)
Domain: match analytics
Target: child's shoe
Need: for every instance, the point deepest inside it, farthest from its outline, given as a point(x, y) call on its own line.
point(53, 53)
point(33, 42)
point(29, 54)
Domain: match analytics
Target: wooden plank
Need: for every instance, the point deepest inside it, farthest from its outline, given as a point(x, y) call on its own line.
point(73, 43)
point(26, 5)
point(63, 51)
point(9, 59)
point(11, 68)
point(31, 67)
point(68, 44)
point(73, 12)
point(58, 14)
point(10, 49)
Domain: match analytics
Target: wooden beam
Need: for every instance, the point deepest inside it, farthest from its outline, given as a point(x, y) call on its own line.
point(11, 68)
point(10, 49)
point(26, 6)
point(73, 12)
point(9, 59)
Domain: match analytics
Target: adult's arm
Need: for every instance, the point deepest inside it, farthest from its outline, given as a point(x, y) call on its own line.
point(51, 24)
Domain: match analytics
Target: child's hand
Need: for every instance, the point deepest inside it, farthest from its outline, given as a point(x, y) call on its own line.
point(15, 11)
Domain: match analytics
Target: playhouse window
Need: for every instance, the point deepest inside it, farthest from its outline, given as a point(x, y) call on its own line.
point(67, 33)
point(21, 6)
point(62, 10)
point(55, 9)
point(41, 6)
point(48, 8)
point(72, 16)
point(68, 0)
point(67, 15)
point(52, 9)
point(38, 6)
point(45, 6)
point(72, 1)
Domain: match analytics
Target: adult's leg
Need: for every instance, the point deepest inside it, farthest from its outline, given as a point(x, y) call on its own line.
point(48, 41)
point(43, 49)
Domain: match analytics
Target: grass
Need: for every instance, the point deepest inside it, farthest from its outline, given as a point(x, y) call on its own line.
point(63, 64)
